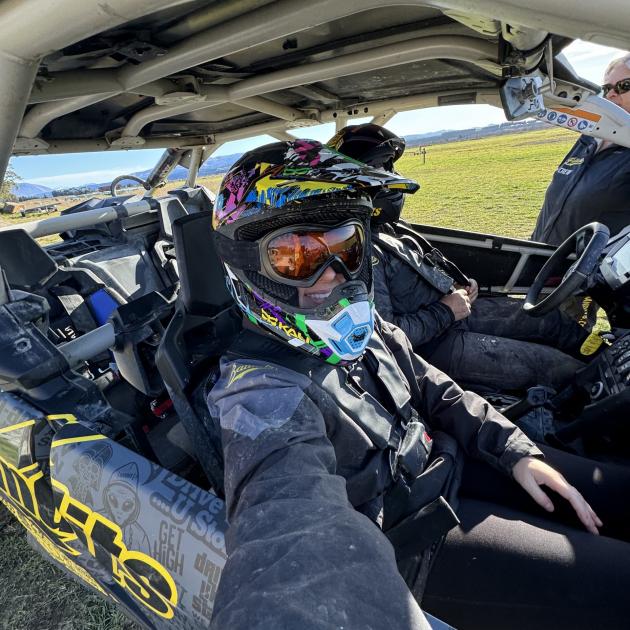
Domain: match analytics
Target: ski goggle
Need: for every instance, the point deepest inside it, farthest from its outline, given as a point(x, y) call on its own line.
point(299, 255)
point(621, 87)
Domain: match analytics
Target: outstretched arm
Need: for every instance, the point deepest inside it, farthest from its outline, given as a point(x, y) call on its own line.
point(532, 473)
point(299, 555)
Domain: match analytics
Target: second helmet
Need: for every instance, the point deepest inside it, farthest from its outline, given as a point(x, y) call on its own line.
point(380, 148)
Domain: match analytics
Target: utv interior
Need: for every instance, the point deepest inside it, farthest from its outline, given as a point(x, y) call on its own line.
point(107, 335)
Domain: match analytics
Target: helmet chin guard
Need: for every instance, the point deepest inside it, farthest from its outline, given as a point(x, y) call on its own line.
point(348, 332)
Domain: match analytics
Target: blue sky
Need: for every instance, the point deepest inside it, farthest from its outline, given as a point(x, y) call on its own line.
point(589, 60)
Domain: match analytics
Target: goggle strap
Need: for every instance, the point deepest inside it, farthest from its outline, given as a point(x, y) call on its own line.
point(243, 255)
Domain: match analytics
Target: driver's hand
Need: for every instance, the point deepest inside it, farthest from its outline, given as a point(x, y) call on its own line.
point(459, 303)
point(531, 473)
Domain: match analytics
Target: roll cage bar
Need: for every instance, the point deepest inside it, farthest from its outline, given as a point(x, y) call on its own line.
point(209, 74)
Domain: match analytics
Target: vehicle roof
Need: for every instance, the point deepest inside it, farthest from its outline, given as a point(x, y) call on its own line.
point(178, 74)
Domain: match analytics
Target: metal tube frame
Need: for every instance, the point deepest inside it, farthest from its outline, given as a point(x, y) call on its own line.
point(247, 92)
point(193, 166)
point(341, 117)
point(29, 29)
point(89, 345)
point(267, 23)
point(88, 218)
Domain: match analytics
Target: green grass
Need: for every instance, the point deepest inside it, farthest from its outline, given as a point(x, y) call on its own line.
point(494, 185)
point(491, 185)
point(35, 595)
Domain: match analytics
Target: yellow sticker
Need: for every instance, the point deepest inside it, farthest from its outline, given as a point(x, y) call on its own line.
point(574, 161)
point(591, 344)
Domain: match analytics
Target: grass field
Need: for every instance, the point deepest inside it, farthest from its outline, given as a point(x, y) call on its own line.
point(491, 185)
point(494, 185)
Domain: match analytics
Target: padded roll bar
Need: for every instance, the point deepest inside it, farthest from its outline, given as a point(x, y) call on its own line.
point(89, 345)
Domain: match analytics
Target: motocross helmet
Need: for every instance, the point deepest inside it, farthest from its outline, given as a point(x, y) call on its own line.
point(285, 212)
point(378, 147)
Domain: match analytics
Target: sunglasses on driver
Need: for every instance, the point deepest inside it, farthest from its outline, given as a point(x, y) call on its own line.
point(621, 87)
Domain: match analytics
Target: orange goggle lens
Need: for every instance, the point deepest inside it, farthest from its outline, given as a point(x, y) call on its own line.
point(300, 254)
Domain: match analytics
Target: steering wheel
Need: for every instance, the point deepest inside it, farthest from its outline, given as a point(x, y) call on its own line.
point(114, 185)
point(598, 235)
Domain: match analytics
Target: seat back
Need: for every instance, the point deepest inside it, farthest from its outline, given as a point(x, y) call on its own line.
point(27, 266)
point(203, 326)
point(202, 283)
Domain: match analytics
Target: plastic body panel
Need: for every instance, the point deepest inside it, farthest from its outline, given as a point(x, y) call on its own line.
point(126, 527)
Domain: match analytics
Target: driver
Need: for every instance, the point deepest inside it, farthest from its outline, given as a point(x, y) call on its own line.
point(337, 437)
point(480, 343)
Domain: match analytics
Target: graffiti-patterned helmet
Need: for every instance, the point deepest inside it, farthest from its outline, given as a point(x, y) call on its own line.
point(284, 214)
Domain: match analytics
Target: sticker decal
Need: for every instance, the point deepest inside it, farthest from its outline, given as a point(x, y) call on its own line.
point(287, 329)
point(138, 534)
point(238, 371)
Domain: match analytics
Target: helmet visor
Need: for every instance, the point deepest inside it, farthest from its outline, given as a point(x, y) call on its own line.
point(300, 254)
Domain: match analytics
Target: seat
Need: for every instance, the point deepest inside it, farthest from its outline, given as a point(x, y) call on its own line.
point(204, 324)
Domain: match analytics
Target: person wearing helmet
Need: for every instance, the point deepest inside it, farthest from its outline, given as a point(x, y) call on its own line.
point(344, 450)
point(481, 343)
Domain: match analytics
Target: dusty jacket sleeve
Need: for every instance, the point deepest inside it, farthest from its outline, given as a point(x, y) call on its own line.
point(299, 555)
point(423, 324)
point(481, 430)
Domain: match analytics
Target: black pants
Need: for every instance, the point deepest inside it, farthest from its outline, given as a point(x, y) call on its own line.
point(512, 565)
point(500, 347)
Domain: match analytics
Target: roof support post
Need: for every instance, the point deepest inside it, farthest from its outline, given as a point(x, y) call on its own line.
point(193, 166)
point(17, 78)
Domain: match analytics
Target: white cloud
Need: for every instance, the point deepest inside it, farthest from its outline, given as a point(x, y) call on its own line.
point(85, 177)
point(590, 60)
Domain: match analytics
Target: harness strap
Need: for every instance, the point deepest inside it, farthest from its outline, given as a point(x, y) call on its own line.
point(401, 432)
point(432, 255)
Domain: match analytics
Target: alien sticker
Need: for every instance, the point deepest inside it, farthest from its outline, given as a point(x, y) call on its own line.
point(122, 504)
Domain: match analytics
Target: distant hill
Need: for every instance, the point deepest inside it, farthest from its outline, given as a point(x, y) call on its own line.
point(217, 165)
point(212, 166)
point(24, 190)
point(443, 136)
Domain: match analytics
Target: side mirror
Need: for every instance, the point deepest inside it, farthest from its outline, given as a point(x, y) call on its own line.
point(521, 97)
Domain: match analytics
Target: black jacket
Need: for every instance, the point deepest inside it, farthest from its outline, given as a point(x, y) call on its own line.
point(586, 187)
point(404, 294)
point(299, 452)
